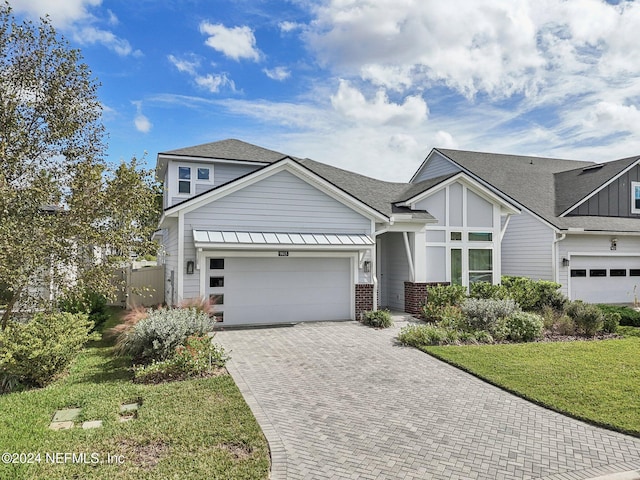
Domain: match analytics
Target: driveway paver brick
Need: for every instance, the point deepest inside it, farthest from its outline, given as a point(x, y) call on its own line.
point(339, 400)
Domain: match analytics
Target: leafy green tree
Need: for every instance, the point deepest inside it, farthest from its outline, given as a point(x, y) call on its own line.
point(61, 208)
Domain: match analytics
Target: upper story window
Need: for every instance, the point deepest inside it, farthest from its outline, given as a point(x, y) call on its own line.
point(189, 177)
point(203, 174)
point(635, 197)
point(184, 180)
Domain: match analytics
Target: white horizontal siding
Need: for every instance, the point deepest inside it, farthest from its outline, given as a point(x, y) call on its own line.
point(170, 245)
point(225, 172)
point(279, 203)
point(437, 166)
point(527, 248)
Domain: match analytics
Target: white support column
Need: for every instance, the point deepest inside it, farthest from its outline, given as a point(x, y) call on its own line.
point(420, 256)
point(412, 270)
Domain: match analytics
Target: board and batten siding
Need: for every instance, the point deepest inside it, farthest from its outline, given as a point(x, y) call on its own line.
point(437, 166)
point(614, 200)
point(527, 248)
point(580, 243)
point(279, 203)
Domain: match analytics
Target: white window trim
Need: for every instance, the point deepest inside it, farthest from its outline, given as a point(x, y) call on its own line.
point(193, 181)
point(634, 185)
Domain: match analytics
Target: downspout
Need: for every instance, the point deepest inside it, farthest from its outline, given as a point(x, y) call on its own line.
point(554, 255)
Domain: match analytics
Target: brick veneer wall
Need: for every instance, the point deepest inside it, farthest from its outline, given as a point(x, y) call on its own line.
point(415, 295)
point(364, 298)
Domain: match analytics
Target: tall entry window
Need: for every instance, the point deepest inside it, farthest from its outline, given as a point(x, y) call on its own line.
point(480, 265)
point(635, 197)
point(456, 266)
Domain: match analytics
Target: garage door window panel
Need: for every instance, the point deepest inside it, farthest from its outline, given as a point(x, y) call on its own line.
point(598, 272)
point(618, 272)
point(578, 272)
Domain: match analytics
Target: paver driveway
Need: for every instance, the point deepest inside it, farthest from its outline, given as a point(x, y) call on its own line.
point(341, 400)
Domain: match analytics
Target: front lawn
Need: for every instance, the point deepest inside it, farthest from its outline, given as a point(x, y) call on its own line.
point(194, 429)
point(597, 381)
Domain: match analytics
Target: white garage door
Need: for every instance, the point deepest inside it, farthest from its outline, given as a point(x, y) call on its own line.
point(280, 290)
point(614, 279)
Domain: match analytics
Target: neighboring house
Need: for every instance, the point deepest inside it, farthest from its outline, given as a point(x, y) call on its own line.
point(274, 238)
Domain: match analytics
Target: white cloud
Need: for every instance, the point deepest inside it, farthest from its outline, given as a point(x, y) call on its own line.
point(75, 17)
point(213, 83)
point(91, 35)
point(396, 78)
point(235, 42)
point(287, 27)
point(142, 123)
point(277, 73)
point(187, 65)
point(351, 103)
point(62, 13)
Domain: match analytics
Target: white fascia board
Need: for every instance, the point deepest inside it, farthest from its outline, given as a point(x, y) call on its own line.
point(471, 183)
point(601, 233)
point(286, 164)
point(599, 189)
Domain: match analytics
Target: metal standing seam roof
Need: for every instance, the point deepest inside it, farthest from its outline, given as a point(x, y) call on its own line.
point(278, 238)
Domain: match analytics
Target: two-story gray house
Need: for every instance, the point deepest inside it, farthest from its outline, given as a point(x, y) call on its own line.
point(273, 238)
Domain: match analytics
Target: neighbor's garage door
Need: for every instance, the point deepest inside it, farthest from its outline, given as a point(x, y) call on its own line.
point(282, 289)
point(605, 279)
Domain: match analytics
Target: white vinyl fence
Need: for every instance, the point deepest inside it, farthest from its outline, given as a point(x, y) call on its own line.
point(139, 286)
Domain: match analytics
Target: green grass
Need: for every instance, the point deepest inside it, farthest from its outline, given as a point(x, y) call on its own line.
point(597, 381)
point(194, 429)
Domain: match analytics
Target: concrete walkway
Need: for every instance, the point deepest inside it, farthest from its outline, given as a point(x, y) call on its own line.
point(344, 401)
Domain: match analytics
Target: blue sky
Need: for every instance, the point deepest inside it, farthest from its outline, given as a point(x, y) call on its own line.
point(369, 86)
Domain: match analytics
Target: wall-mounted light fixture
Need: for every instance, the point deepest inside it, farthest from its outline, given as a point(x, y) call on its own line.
point(565, 262)
point(190, 266)
point(366, 267)
point(614, 244)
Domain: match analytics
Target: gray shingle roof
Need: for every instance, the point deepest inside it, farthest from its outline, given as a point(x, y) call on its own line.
point(546, 185)
point(230, 149)
point(377, 194)
point(574, 185)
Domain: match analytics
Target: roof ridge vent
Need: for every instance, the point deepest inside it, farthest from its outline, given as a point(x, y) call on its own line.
point(593, 167)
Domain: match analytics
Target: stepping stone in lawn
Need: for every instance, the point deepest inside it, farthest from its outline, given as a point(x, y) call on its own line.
point(92, 424)
point(129, 411)
point(61, 425)
point(66, 415)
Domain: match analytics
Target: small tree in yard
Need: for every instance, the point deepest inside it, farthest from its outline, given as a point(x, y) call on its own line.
point(58, 200)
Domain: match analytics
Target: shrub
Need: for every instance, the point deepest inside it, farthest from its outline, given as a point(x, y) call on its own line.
point(426, 335)
point(197, 357)
point(157, 336)
point(441, 296)
point(628, 316)
point(422, 335)
point(201, 304)
point(378, 319)
point(564, 325)
point(520, 327)
point(487, 290)
point(132, 317)
point(86, 301)
point(36, 352)
point(534, 295)
point(482, 314)
point(587, 317)
point(451, 317)
point(611, 322)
